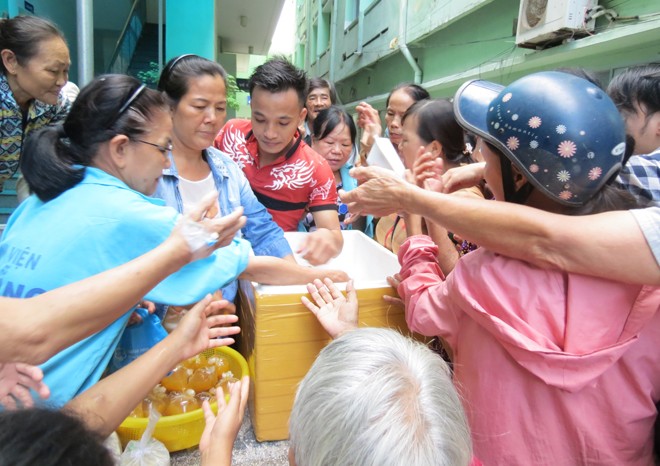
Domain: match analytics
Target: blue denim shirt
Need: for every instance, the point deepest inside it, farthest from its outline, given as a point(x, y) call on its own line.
point(265, 236)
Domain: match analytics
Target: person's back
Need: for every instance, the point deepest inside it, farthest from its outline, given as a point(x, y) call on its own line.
point(544, 380)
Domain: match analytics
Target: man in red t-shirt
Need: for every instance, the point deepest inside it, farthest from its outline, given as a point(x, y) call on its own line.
point(286, 175)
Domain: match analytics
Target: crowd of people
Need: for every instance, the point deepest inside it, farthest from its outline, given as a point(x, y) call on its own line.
point(527, 227)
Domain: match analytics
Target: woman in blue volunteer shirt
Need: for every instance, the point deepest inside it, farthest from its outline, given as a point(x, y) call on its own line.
point(92, 178)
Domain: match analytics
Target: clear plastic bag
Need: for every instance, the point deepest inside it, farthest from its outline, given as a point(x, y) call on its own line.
point(147, 451)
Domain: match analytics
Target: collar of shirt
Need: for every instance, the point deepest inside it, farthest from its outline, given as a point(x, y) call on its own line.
point(253, 147)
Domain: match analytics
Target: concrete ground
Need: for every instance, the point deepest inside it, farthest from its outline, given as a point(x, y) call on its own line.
point(247, 451)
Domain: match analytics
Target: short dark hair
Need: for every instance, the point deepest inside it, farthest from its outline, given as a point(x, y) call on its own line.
point(50, 154)
point(415, 91)
point(328, 119)
point(175, 78)
point(277, 75)
point(49, 438)
point(321, 83)
point(637, 85)
point(23, 34)
point(436, 122)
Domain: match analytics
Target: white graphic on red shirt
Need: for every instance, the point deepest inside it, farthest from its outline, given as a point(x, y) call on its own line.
point(233, 143)
point(322, 192)
point(292, 176)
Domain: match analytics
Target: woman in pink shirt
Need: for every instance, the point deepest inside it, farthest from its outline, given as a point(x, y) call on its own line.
point(554, 368)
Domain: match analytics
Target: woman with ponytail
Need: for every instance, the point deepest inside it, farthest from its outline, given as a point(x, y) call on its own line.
point(91, 211)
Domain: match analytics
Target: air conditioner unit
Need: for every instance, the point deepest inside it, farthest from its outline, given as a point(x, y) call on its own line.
point(545, 22)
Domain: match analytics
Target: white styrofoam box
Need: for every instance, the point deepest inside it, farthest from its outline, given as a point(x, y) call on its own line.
point(363, 259)
point(383, 154)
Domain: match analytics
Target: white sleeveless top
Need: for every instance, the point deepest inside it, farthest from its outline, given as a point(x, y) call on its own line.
point(193, 191)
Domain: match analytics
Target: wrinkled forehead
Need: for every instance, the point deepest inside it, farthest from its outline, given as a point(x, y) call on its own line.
point(319, 91)
point(52, 51)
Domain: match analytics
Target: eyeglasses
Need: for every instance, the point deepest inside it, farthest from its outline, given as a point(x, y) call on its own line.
point(163, 149)
point(129, 102)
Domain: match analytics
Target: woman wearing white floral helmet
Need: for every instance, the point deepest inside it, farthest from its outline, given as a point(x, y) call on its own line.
point(553, 367)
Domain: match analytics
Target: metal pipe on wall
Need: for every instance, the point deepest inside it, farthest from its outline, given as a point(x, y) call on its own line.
point(85, 30)
point(161, 60)
point(333, 40)
point(403, 42)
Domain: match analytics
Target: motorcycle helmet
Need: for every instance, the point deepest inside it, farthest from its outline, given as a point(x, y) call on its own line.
point(562, 132)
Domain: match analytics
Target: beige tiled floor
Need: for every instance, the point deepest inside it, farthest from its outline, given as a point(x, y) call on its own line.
point(247, 451)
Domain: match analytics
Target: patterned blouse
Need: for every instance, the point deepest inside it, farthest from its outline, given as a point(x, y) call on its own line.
point(13, 128)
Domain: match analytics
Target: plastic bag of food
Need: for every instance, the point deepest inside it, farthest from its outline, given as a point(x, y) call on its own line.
point(147, 451)
point(137, 339)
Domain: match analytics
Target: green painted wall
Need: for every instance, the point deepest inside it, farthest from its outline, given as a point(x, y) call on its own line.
point(456, 41)
point(190, 28)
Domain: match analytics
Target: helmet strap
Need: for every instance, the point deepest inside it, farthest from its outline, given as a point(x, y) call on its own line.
point(511, 194)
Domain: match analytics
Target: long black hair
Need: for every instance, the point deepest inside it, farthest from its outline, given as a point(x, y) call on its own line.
point(54, 157)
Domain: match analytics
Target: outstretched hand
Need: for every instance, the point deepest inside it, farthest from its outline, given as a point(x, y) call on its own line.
point(16, 380)
point(462, 177)
point(319, 246)
point(379, 192)
point(369, 120)
point(336, 313)
point(220, 431)
point(202, 328)
point(394, 281)
point(428, 168)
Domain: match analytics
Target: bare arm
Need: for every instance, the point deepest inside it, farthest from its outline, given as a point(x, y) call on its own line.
point(107, 403)
point(66, 315)
point(608, 245)
point(275, 271)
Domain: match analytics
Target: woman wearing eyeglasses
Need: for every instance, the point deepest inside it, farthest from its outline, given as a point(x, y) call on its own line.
point(91, 211)
point(91, 178)
point(196, 89)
